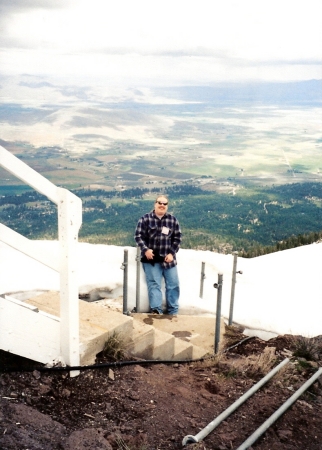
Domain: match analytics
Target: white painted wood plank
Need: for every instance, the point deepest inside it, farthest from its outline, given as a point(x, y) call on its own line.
point(27, 333)
point(69, 222)
point(20, 303)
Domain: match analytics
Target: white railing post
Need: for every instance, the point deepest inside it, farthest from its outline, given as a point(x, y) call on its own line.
point(69, 222)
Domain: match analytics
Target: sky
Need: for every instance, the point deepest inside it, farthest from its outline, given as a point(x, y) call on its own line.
point(149, 43)
point(279, 293)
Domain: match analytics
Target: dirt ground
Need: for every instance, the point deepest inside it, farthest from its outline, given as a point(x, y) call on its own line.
point(154, 406)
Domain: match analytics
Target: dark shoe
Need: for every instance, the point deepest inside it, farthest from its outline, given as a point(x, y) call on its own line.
point(155, 311)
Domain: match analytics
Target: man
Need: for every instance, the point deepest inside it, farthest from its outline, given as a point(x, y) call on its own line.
point(158, 235)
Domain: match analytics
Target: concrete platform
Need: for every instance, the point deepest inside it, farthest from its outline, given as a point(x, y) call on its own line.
point(196, 330)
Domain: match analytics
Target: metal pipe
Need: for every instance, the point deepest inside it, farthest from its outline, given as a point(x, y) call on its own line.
point(232, 294)
point(124, 267)
point(212, 425)
point(238, 343)
point(218, 311)
point(279, 412)
point(138, 273)
point(202, 277)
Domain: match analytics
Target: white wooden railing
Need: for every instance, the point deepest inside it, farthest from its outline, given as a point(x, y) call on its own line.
point(69, 223)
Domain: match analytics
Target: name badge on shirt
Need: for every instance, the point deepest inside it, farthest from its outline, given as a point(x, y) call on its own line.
point(165, 230)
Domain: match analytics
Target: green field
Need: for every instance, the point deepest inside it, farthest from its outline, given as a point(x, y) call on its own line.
point(242, 165)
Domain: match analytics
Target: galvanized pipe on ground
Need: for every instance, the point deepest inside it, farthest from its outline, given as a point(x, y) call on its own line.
point(212, 425)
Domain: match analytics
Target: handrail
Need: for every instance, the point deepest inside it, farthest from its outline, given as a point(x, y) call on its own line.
point(69, 222)
point(28, 175)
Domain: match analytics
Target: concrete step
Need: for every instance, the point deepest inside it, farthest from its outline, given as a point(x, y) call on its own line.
point(163, 347)
point(199, 352)
point(196, 330)
point(96, 323)
point(146, 336)
point(142, 341)
point(148, 343)
point(182, 350)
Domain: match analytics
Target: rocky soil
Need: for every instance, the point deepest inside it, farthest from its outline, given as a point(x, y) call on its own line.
point(154, 406)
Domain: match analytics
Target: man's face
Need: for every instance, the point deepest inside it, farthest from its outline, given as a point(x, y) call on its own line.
point(161, 206)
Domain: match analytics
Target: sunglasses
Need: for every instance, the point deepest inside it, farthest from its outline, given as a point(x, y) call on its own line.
point(161, 203)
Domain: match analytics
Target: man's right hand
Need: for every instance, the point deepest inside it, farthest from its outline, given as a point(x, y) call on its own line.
point(149, 254)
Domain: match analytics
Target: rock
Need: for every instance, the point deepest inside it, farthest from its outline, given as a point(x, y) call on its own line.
point(44, 389)
point(36, 374)
point(134, 396)
point(65, 393)
point(284, 435)
point(314, 364)
point(88, 438)
point(28, 428)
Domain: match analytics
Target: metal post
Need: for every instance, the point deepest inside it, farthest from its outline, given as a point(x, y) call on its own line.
point(138, 269)
point(125, 266)
point(232, 294)
point(218, 310)
point(202, 277)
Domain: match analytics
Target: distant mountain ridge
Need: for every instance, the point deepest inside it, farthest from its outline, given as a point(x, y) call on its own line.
point(294, 93)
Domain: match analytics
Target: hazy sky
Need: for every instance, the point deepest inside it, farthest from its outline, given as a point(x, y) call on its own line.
point(152, 42)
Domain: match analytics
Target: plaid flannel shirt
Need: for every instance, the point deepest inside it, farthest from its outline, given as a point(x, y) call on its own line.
point(148, 234)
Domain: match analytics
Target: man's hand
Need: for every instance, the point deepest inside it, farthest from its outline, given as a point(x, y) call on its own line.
point(149, 254)
point(168, 258)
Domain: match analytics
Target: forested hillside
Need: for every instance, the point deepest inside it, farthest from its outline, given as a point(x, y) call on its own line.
point(253, 221)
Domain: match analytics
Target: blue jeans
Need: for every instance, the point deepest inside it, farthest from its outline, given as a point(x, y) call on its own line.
point(154, 276)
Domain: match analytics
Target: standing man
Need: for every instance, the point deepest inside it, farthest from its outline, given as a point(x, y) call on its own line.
point(158, 235)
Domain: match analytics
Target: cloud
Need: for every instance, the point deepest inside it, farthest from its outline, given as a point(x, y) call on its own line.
point(11, 8)
point(90, 137)
point(72, 91)
point(166, 42)
point(17, 114)
point(35, 84)
point(14, 6)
